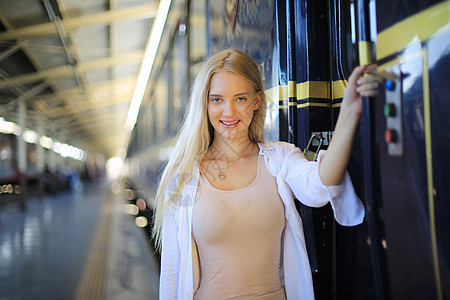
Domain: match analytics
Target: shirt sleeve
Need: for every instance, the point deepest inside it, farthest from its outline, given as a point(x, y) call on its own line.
point(170, 256)
point(303, 178)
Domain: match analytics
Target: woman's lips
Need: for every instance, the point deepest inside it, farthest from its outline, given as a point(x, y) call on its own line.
point(229, 124)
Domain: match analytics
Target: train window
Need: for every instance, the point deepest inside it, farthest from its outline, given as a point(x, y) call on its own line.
point(31, 154)
point(160, 98)
point(6, 154)
point(178, 75)
point(373, 21)
point(349, 33)
point(197, 36)
point(154, 120)
point(142, 135)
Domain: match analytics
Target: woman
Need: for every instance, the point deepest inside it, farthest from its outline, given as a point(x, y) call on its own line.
point(225, 215)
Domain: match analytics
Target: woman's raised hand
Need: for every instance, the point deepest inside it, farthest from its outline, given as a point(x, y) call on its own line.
point(363, 82)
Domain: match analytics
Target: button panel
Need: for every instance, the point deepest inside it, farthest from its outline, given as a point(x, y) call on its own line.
point(393, 110)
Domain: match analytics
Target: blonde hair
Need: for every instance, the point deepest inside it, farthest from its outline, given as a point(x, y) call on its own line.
point(196, 133)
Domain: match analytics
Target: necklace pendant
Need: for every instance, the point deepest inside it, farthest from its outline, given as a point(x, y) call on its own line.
point(221, 175)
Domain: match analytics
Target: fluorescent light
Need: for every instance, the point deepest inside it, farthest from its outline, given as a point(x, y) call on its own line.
point(57, 147)
point(30, 136)
point(8, 127)
point(46, 142)
point(147, 65)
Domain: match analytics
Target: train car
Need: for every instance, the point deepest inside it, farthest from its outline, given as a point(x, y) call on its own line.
point(47, 165)
point(413, 136)
point(306, 51)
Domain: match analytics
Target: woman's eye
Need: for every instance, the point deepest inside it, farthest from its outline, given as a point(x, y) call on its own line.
point(215, 100)
point(241, 99)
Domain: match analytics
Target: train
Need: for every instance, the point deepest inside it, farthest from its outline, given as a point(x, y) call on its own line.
point(48, 165)
point(400, 162)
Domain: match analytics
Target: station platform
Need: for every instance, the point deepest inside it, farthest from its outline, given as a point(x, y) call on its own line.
point(78, 244)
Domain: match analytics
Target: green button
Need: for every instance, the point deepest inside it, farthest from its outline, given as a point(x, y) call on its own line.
point(390, 110)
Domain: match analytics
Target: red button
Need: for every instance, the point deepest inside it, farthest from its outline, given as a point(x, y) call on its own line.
point(391, 136)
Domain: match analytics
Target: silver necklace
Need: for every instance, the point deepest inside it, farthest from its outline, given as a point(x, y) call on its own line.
point(221, 174)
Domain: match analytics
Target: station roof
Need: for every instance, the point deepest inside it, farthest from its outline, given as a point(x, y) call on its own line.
point(76, 64)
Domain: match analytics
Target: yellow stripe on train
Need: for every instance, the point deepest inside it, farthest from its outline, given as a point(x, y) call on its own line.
point(306, 90)
point(422, 26)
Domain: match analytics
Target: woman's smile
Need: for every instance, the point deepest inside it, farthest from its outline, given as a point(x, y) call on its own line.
point(229, 124)
point(231, 102)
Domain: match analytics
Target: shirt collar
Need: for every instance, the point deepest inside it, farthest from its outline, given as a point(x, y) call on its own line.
point(264, 147)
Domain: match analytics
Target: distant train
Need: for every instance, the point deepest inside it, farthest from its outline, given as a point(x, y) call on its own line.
point(47, 165)
point(400, 164)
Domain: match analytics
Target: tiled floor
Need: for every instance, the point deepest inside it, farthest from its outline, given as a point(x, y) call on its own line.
point(44, 249)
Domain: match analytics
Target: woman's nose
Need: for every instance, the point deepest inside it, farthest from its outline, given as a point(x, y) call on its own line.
point(228, 108)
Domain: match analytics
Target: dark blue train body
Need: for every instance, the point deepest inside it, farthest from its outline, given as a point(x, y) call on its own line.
point(306, 51)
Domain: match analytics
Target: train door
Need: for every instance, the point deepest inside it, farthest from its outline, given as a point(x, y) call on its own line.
point(315, 56)
point(413, 126)
point(358, 258)
point(301, 47)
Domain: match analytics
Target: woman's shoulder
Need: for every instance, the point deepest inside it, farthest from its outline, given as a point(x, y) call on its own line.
point(281, 155)
point(278, 147)
point(283, 152)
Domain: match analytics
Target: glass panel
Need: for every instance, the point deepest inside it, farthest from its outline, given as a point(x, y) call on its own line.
point(6, 156)
point(178, 79)
point(350, 57)
point(161, 101)
point(197, 36)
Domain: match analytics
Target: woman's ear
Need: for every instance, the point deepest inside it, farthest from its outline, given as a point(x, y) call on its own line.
point(258, 99)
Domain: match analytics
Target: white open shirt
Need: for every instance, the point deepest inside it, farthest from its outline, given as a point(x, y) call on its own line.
point(295, 177)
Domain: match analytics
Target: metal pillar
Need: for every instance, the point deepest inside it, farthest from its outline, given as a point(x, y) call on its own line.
point(370, 164)
point(40, 158)
point(22, 153)
point(21, 102)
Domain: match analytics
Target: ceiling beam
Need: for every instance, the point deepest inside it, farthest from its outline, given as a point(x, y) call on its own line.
point(99, 128)
point(18, 87)
point(95, 132)
point(66, 70)
point(11, 50)
point(73, 92)
point(97, 102)
point(71, 24)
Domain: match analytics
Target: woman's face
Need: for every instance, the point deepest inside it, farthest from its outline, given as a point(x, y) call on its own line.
point(231, 102)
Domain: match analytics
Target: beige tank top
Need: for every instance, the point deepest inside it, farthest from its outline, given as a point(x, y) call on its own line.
point(238, 235)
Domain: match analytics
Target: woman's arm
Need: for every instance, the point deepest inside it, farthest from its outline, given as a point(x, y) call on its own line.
point(334, 163)
point(170, 257)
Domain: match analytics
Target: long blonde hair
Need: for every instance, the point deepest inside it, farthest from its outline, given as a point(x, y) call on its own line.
point(196, 133)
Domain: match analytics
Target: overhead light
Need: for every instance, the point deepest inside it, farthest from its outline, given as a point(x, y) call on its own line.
point(30, 136)
point(46, 142)
point(147, 65)
point(8, 127)
point(56, 147)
